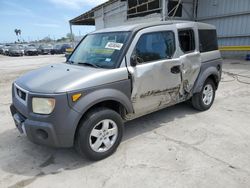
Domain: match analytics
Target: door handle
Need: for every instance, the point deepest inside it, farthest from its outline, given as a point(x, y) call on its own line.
point(176, 69)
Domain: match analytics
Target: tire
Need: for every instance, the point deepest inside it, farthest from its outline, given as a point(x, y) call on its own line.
point(99, 147)
point(203, 100)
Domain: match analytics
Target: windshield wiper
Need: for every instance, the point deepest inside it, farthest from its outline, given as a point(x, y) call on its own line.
point(88, 64)
point(70, 62)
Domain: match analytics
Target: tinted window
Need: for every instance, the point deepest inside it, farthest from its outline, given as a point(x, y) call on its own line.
point(208, 40)
point(155, 46)
point(186, 39)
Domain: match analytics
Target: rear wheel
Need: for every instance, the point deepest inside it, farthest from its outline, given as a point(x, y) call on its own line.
point(100, 134)
point(203, 100)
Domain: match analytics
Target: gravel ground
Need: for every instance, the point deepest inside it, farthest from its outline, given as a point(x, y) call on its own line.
point(175, 147)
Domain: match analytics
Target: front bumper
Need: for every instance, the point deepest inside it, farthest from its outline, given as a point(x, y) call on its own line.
point(55, 130)
point(36, 131)
point(46, 51)
point(31, 52)
point(16, 53)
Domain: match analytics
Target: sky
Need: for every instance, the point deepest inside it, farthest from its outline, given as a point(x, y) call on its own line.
point(41, 18)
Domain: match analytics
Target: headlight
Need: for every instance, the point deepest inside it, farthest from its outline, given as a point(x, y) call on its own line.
point(43, 105)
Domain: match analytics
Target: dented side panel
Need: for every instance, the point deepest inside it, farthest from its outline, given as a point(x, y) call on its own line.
point(154, 85)
point(190, 68)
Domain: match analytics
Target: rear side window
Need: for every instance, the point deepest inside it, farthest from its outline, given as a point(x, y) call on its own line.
point(155, 46)
point(186, 39)
point(208, 40)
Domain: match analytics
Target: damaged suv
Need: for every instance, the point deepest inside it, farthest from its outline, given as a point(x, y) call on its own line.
point(115, 75)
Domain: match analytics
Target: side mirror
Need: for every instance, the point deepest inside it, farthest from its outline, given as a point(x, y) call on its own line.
point(133, 60)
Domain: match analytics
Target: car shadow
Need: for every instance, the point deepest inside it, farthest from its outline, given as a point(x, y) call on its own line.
point(21, 157)
point(157, 119)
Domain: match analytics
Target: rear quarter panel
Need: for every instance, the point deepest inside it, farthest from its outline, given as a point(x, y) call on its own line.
point(211, 64)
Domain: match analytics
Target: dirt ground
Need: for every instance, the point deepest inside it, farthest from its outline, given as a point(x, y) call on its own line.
point(175, 147)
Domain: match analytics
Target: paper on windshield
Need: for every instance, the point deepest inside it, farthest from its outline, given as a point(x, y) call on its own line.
point(114, 45)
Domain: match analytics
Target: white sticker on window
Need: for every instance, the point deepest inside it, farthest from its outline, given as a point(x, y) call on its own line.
point(114, 45)
point(107, 59)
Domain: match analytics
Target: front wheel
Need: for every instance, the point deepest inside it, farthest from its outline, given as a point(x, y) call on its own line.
point(203, 100)
point(100, 134)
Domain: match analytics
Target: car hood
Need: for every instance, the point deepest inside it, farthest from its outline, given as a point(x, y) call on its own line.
point(59, 78)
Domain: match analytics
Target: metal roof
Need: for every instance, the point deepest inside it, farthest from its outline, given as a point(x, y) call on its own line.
point(87, 18)
point(140, 26)
point(133, 27)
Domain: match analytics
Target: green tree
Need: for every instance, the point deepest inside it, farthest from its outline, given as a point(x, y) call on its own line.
point(70, 36)
point(18, 32)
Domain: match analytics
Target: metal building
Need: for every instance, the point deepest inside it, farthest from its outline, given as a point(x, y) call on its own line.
point(231, 17)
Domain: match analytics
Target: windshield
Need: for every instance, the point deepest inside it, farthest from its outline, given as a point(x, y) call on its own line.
point(30, 47)
point(100, 50)
point(15, 48)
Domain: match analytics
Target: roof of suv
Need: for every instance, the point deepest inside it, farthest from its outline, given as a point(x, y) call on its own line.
point(136, 27)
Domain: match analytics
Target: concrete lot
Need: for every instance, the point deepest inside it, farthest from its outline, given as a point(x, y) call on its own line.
point(175, 147)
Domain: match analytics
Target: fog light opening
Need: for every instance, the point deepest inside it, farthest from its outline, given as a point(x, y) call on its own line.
point(41, 134)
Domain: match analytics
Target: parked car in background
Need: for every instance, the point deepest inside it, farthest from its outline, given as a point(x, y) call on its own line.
point(68, 52)
point(60, 48)
point(5, 49)
point(16, 51)
point(30, 50)
point(45, 49)
point(33, 45)
point(1, 49)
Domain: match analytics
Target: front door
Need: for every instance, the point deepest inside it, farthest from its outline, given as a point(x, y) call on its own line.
point(156, 79)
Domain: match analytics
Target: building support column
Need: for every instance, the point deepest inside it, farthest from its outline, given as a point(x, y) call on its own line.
point(163, 10)
point(195, 6)
point(71, 35)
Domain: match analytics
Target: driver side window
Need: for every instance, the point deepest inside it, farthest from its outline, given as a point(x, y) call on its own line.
point(155, 46)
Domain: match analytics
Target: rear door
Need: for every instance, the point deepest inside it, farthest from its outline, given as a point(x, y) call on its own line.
point(156, 79)
point(190, 57)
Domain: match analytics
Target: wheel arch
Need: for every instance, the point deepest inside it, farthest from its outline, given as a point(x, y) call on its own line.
point(108, 98)
point(209, 73)
point(215, 79)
